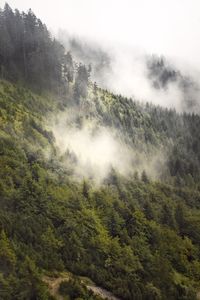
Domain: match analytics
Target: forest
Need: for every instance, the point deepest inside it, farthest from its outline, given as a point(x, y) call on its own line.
point(136, 234)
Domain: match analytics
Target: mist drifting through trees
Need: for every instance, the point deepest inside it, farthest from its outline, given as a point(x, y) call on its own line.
point(99, 187)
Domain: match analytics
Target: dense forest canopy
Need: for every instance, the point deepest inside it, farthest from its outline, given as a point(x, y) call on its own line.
point(137, 235)
point(28, 52)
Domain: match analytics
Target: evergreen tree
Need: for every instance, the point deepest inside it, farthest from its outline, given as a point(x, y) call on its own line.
point(81, 83)
point(144, 177)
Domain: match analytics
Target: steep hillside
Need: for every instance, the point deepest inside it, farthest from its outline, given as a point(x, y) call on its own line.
point(94, 184)
point(135, 237)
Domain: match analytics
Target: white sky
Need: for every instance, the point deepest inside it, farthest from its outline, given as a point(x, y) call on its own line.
point(169, 27)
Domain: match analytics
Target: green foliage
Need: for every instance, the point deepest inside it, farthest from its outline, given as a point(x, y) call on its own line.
point(74, 289)
point(134, 236)
point(7, 255)
point(81, 83)
point(29, 53)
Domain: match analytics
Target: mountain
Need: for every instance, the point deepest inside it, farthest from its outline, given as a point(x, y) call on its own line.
point(137, 75)
point(92, 183)
point(162, 75)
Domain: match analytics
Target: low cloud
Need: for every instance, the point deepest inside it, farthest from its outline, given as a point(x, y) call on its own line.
point(92, 150)
point(125, 70)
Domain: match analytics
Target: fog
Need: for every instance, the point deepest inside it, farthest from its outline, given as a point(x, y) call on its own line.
point(132, 72)
point(126, 32)
point(146, 50)
point(93, 150)
point(169, 28)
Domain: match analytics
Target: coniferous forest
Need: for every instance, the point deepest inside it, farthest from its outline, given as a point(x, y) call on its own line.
point(136, 233)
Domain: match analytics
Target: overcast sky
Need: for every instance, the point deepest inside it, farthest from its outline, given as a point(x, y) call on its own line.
point(169, 27)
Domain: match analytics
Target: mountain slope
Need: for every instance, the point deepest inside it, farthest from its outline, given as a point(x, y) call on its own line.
point(134, 232)
point(120, 234)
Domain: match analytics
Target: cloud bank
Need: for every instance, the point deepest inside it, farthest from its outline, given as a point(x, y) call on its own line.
point(136, 74)
point(92, 150)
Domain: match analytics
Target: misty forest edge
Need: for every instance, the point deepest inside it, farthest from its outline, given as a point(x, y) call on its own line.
point(137, 236)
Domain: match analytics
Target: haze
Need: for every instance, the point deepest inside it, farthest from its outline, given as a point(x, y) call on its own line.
point(171, 28)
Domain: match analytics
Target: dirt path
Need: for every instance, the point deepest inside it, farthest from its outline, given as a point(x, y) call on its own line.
point(104, 294)
point(54, 283)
